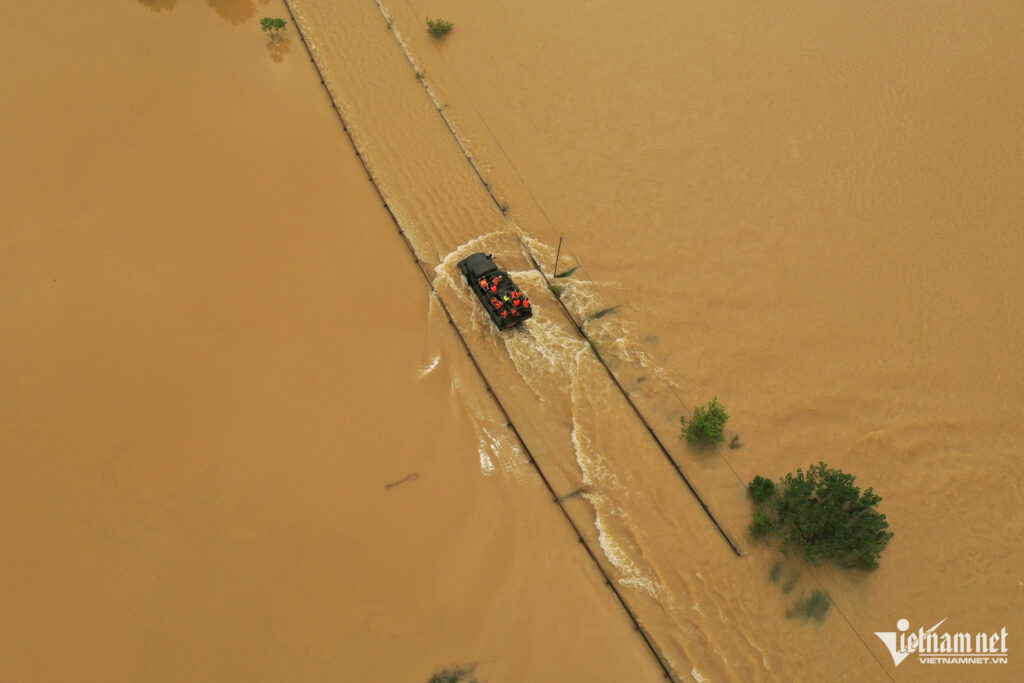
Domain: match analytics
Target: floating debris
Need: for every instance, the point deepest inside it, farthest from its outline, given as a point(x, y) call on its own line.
point(409, 477)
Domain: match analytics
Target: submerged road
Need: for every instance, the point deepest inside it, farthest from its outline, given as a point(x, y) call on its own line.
point(641, 514)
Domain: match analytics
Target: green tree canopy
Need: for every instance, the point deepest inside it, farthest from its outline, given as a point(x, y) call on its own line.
point(822, 514)
point(271, 26)
point(707, 423)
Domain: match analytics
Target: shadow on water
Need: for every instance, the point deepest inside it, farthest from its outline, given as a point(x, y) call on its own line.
point(159, 5)
point(278, 49)
point(235, 11)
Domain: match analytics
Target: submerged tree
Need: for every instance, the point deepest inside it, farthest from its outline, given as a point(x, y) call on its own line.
point(272, 26)
point(822, 514)
point(457, 674)
point(706, 424)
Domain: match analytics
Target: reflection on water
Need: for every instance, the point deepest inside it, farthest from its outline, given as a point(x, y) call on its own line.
point(277, 49)
point(159, 5)
point(235, 11)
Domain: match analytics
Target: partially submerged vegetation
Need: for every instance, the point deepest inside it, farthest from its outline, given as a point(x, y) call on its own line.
point(822, 515)
point(439, 27)
point(813, 607)
point(272, 26)
point(706, 424)
point(600, 314)
point(457, 674)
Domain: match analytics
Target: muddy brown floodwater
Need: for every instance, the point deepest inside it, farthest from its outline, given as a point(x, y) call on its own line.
point(813, 211)
point(238, 439)
point(241, 441)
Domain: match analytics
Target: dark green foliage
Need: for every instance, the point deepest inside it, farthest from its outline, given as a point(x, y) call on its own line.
point(790, 582)
point(706, 424)
point(567, 273)
point(455, 674)
point(813, 607)
point(760, 489)
point(823, 515)
point(271, 26)
point(761, 525)
point(776, 573)
point(439, 27)
point(555, 289)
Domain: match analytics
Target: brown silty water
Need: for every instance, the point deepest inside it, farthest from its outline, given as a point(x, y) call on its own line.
point(811, 212)
point(239, 439)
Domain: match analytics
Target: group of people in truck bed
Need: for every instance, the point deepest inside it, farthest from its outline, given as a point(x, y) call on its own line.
point(507, 301)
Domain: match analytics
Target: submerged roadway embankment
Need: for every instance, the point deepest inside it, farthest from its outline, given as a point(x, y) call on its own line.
point(647, 522)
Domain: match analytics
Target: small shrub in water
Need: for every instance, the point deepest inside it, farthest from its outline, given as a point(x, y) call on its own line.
point(556, 289)
point(776, 573)
point(454, 675)
point(707, 423)
point(439, 27)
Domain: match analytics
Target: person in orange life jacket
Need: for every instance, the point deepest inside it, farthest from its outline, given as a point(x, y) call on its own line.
point(495, 302)
point(483, 283)
point(504, 313)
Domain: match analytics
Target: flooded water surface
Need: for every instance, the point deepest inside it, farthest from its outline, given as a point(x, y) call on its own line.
point(811, 211)
point(242, 440)
point(239, 440)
